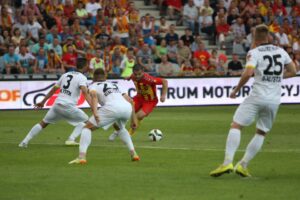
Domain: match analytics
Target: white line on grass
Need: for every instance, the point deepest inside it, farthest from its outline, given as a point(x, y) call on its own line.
point(168, 148)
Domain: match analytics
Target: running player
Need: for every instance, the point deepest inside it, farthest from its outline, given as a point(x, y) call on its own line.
point(269, 64)
point(146, 98)
point(115, 108)
point(70, 84)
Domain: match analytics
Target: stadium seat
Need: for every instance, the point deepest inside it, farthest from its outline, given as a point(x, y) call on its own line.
point(23, 76)
point(51, 76)
point(9, 76)
point(38, 76)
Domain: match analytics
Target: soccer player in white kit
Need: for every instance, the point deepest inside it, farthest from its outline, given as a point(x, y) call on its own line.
point(70, 84)
point(116, 107)
point(269, 64)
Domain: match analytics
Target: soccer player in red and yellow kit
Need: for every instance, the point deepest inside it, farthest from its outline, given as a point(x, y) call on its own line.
point(146, 97)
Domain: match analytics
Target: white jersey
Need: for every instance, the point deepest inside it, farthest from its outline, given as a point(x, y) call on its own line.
point(269, 62)
point(108, 93)
point(69, 84)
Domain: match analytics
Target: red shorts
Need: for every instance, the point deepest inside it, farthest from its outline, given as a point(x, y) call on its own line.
point(146, 106)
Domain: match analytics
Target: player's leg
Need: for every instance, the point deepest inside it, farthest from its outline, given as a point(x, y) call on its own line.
point(115, 134)
point(146, 108)
point(35, 130)
point(77, 118)
point(265, 120)
point(85, 141)
point(51, 117)
point(125, 137)
point(244, 116)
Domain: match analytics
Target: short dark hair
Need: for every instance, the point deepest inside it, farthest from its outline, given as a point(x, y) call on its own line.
point(99, 74)
point(81, 63)
point(137, 67)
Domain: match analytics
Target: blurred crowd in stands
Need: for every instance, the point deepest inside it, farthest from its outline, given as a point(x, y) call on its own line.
point(47, 36)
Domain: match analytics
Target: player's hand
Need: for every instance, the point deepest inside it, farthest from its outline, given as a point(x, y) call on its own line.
point(97, 118)
point(233, 94)
point(39, 105)
point(134, 125)
point(162, 98)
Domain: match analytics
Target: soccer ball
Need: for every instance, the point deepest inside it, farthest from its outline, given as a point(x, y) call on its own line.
point(155, 135)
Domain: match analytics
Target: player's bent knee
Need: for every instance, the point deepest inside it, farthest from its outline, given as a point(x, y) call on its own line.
point(236, 125)
point(90, 126)
point(43, 124)
point(261, 132)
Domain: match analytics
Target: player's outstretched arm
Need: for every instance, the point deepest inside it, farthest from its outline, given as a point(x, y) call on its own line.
point(94, 105)
point(86, 95)
point(50, 93)
point(290, 70)
point(134, 120)
point(247, 74)
point(164, 90)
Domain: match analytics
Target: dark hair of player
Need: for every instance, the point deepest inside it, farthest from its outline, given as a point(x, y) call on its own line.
point(81, 63)
point(137, 67)
point(99, 74)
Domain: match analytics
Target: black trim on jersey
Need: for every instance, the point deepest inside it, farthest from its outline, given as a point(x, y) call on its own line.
point(264, 44)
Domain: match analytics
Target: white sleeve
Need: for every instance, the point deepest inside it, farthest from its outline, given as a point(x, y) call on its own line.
point(287, 58)
point(92, 87)
point(83, 81)
point(251, 60)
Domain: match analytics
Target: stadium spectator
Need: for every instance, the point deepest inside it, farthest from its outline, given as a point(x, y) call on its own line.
point(27, 60)
point(206, 24)
point(22, 25)
point(148, 29)
point(171, 35)
point(202, 55)
point(160, 50)
point(97, 62)
point(11, 62)
point(41, 66)
point(166, 68)
point(92, 8)
point(33, 28)
point(121, 27)
point(16, 38)
point(6, 20)
point(187, 38)
point(69, 58)
point(144, 58)
point(235, 67)
point(174, 6)
point(31, 9)
point(183, 52)
point(223, 32)
point(41, 44)
point(190, 15)
point(187, 69)
point(172, 51)
point(55, 64)
point(282, 38)
point(127, 63)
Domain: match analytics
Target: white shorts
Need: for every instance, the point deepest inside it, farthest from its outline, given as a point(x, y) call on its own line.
point(113, 114)
point(264, 112)
point(70, 113)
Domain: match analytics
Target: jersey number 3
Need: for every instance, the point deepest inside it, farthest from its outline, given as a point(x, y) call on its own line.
point(66, 86)
point(274, 66)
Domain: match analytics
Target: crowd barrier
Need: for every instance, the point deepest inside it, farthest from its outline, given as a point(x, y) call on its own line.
point(181, 92)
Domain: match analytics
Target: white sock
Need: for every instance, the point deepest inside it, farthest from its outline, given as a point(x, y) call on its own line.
point(253, 147)
point(232, 143)
point(85, 141)
point(33, 132)
point(125, 137)
point(76, 132)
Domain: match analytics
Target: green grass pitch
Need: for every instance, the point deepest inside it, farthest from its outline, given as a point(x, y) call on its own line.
point(175, 168)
